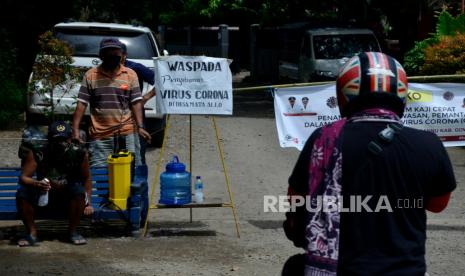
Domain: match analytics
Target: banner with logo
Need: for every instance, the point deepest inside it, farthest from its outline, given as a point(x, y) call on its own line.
point(193, 85)
point(438, 108)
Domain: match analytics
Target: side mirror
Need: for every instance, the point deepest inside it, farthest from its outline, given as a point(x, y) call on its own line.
point(165, 52)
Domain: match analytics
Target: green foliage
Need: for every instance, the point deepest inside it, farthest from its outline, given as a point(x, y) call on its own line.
point(449, 25)
point(11, 92)
point(212, 12)
point(415, 58)
point(445, 57)
point(446, 26)
point(267, 12)
point(200, 12)
point(274, 12)
point(212, 8)
point(139, 12)
point(184, 11)
point(53, 72)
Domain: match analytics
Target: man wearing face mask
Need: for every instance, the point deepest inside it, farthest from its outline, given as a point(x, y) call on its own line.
point(62, 171)
point(112, 91)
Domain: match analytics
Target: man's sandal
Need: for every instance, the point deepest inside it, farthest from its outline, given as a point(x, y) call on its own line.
point(28, 240)
point(76, 239)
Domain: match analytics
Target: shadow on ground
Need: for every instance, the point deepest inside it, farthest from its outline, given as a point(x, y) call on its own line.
point(172, 228)
point(437, 227)
point(49, 230)
point(267, 224)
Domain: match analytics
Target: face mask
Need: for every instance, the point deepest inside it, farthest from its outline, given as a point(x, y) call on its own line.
point(59, 148)
point(111, 62)
point(65, 156)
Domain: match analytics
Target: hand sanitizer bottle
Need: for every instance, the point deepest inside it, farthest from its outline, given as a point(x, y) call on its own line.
point(43, 198)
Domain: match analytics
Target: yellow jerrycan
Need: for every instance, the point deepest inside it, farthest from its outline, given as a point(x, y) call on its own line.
point(119, 178)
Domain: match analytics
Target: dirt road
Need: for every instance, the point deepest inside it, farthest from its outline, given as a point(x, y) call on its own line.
point(257, 166)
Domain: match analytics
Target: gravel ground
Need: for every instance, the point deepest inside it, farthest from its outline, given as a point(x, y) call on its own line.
point(257, 166)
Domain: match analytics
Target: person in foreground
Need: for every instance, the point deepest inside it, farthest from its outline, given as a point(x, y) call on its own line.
point(62, 170)
point(380, 175)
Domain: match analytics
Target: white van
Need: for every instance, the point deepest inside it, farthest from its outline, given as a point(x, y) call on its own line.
point(320, 53)
point(84, 38)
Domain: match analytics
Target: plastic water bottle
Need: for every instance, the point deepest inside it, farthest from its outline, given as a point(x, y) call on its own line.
point(43, 198)
point(198, 192)
point(175, 184)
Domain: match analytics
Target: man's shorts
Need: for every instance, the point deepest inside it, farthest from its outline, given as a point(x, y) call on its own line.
point(56, 197)
point(101, 149)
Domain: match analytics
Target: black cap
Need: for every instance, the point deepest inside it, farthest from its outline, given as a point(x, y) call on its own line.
point(59, 129)
point(110, 42)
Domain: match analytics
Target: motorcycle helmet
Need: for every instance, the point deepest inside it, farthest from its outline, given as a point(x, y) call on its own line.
point(369, 80)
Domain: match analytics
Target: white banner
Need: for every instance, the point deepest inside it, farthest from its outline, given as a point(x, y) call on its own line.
point(438, 108)
point(193, 85)
point(301, 110)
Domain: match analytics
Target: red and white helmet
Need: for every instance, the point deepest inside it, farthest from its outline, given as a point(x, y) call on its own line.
point(372, 79)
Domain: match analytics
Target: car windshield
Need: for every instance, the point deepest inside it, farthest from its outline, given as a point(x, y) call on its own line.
point(85, 43)
point(343, 46)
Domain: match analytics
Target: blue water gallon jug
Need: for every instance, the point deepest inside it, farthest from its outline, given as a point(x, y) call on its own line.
point(175, 184)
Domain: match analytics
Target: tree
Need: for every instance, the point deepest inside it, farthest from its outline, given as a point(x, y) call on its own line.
point(445, 57)
point(442, 51)
point(52, 71)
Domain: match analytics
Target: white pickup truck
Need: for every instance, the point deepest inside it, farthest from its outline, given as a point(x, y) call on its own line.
point(84, 38)
point(318, 54)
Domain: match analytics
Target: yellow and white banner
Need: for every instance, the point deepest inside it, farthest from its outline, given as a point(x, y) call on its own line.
point(193, 85)
point(438, 108)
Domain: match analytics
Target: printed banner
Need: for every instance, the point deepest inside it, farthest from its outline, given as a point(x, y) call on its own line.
point(438, 108)
point(193, 85)
point(301, 110)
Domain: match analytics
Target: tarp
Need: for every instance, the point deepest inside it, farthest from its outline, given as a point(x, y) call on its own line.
point(193, 85)
point(438, 108)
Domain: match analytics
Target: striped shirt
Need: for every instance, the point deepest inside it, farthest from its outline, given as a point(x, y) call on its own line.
point(110, 98)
